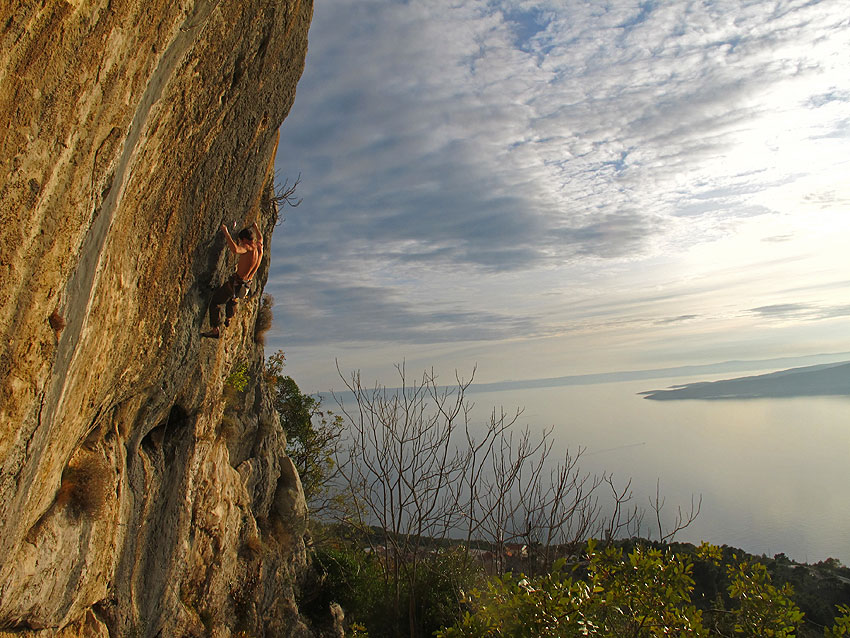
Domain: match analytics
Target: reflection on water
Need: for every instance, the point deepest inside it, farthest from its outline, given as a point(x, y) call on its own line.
point(773, 473)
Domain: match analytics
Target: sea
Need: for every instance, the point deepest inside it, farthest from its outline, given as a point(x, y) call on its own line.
point(773, 475)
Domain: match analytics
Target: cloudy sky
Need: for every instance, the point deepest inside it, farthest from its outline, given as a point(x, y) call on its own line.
point(556, 187)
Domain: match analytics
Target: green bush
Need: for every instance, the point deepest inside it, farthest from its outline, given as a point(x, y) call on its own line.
point(442, 582)
point(763, 610)
point(312, 434)
point(643, 594)
point(359, 583)
point(238, 378)
point(842, 624)
point(352, 579)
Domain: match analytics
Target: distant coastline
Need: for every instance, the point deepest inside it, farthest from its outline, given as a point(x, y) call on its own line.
point(724, 367)
point(830, 379)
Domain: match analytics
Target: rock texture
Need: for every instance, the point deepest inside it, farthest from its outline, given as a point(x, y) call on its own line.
point(129, 131)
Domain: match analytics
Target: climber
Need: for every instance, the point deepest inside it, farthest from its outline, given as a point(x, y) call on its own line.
point(249, 248)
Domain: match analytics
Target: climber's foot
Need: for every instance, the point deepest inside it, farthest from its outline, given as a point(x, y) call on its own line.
point(212, 334)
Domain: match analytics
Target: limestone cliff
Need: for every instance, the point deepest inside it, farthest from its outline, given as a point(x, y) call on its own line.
point(129, 131)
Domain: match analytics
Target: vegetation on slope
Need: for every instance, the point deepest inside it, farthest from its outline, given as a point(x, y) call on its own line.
point(396, 485)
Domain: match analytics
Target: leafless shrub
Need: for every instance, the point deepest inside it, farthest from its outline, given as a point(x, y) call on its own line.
point(85, 486)
point(284, 196)
point(264, 319)
point(681, 520)
point(418, 468)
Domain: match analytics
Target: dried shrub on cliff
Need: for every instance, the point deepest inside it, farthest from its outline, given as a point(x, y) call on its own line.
point(264, 319)
point(254, 546)
point(57, 322)
point(282, 196)
point(85, 486)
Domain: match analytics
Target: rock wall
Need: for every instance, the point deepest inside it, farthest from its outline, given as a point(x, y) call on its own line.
point(129, 131)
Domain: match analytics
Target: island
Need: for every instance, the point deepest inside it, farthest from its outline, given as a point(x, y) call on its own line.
point(817, 380)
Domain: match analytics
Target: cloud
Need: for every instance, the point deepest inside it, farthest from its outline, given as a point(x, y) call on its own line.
point(330, 312)
point(801, 311)
point(614, 235)
point(782, 310)
point(514, 136)
point(835, 311)
point(679, 319)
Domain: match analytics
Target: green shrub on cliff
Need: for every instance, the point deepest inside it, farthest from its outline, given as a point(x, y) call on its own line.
point(312, 433)
point(364, 585)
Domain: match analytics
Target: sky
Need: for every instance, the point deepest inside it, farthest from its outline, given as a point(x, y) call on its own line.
point(549, 188)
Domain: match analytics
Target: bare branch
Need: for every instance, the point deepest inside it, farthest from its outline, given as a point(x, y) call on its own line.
point(680, 521)
point(284, 196)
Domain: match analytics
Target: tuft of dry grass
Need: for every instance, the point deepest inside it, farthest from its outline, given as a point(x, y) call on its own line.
point(57, 322)
point(264, 319)
point(254, 546)
point(85, 486)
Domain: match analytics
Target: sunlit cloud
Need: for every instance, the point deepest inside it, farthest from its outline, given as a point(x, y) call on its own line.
point(473, 157)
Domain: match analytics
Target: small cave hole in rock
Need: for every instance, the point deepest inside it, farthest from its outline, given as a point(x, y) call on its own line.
point(164, 438)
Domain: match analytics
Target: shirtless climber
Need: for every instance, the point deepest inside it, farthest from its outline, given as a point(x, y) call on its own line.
point(249, 248)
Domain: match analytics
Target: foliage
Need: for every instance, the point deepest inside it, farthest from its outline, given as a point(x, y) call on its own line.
point(764, 610)
point(312, 433)
point(818, 589)
point(442, 583)
point(358, 631)
point(363, 586)
point(411, 480)
point(418, 468)
point(57, 322)
point(85, 486)
point(643, 594)
point(238, 378)
point(842, 624)
point(282, 196)
point(352, 579)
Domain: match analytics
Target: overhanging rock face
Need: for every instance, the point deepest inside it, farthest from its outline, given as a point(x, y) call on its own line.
point(129, 131)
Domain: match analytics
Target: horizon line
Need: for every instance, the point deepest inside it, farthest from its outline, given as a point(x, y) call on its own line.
point(732, 365)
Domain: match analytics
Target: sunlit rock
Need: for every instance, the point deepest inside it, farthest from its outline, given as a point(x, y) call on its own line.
point(131, 131)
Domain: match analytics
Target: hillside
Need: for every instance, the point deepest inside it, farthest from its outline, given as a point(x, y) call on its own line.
point(818, 380)
point(131, 131)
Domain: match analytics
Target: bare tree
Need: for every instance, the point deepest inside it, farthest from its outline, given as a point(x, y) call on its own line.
point(400, 466)
point(515, 467)
point(416, 467)
point(564, 511)
point(284, 196)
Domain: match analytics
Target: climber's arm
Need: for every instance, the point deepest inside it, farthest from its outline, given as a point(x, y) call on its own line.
point(234, 247)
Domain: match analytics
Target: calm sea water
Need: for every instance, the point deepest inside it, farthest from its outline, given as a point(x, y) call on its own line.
point(774, 474)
